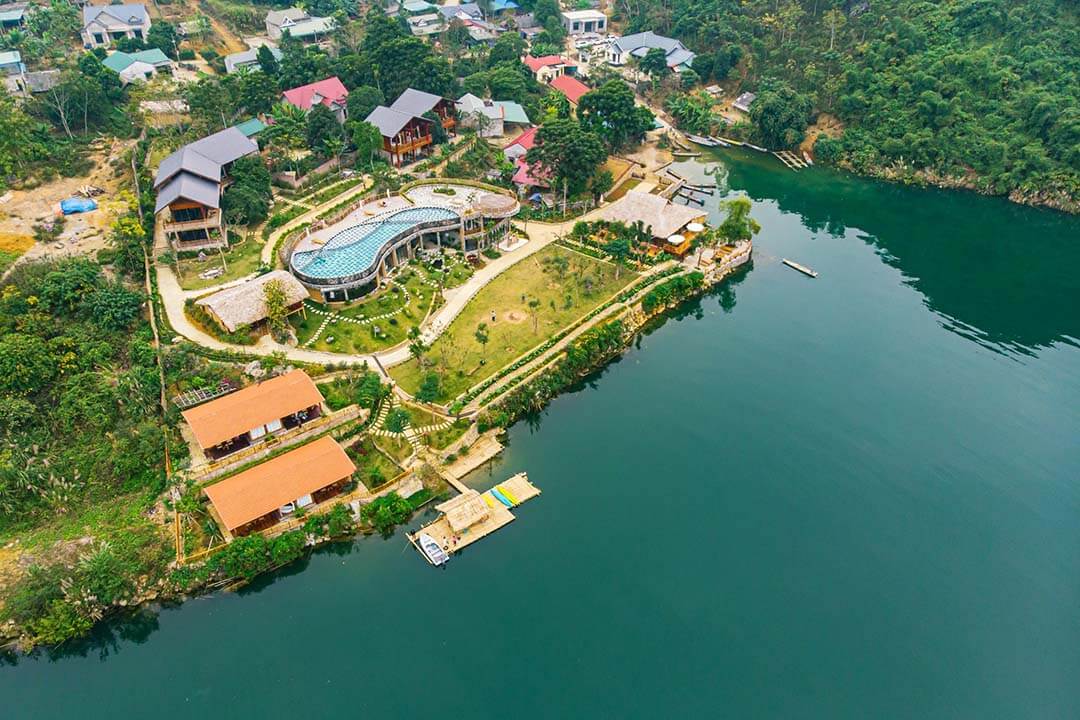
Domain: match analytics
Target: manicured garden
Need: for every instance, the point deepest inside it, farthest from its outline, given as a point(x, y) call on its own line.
point(373, 466)
point(515, 312)
point(362, 326)
point(241, 259)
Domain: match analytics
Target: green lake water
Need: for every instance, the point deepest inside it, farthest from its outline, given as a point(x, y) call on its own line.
point(850, 497)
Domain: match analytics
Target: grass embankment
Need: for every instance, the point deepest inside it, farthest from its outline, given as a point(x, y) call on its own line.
point(241, 259)
point(441, 439)
point(520, 309)
point(374, 467)
point(397, 447)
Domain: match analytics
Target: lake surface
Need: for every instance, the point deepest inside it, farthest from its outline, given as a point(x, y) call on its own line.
point(850, 497)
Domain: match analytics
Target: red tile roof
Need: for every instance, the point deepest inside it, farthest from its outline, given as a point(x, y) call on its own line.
point(526, 139)
point(570, 86)
point(329, 91)
point(535, 63)
point(530, 176)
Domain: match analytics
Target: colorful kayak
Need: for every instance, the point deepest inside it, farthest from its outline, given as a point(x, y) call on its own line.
point(509, 495)
point(501, 498)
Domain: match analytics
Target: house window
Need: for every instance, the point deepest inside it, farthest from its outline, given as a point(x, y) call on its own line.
point(304, 501)
point(256, 433)
point(273, 426)
point(99, 38)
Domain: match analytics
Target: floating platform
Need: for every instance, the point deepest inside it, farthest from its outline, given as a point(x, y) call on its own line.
point(801, 268)
point(471, 516)
point(790, 159)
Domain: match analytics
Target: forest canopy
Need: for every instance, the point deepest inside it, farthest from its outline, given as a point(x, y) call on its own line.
point(983, 90)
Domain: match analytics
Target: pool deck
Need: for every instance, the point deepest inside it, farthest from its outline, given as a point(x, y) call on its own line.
point(497, 515)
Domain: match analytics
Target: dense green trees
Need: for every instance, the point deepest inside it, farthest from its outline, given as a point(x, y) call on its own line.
point(780, 115)
point(610, 113)
point(985, 92)
point(247, 199)
point(568, 153)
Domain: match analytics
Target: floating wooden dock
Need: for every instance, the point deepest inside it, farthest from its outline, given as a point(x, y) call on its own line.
point(471, 515)
point(790, 159)
point(801, 268)
point(686, 153)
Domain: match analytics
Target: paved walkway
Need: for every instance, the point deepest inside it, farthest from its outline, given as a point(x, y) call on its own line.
point(173, 296)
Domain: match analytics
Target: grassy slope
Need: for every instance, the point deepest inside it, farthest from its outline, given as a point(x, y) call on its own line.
point(457, 355)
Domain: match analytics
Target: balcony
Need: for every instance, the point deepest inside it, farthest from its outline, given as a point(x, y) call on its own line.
point(212, 221)
point(410, 145)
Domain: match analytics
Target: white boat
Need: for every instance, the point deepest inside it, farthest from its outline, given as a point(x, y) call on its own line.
point(435, 554)
point(756, 147)
point(806, 157)
point(707, 142)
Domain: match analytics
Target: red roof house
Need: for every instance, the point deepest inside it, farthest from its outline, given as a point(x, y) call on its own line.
point(521, 145)
point(547, 67)
point(571, 87)
point(329, 92)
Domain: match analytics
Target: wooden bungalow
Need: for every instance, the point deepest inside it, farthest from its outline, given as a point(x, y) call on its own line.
point(254, 414)
point(262, 496)
point(405, 137)
point(417, 103)
point(189, 185)
point(244, 305)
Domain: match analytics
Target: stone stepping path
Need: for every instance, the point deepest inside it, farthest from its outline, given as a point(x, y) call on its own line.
point(331, 316)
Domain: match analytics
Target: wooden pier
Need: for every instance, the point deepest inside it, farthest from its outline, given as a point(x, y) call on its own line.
point(470, 516)
point(790, 159)
point(801, 268)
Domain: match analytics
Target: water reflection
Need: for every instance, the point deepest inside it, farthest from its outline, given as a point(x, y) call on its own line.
point(997, 273)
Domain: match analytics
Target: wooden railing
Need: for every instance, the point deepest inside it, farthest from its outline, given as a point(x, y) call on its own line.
point(212, 220)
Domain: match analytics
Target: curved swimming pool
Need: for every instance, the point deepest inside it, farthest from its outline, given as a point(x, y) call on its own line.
point(357, 250)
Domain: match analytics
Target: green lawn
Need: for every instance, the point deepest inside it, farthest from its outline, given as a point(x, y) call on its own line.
point(421, 417)
point(242, 258)
point(367, 458)
point(350, 337)
point(567, 285)
point(396, 447)
point(444, 438)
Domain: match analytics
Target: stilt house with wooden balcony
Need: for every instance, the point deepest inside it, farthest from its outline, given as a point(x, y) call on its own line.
point(406, 132)
point(189, 184)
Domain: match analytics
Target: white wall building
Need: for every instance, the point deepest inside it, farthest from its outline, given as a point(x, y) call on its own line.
point(105, 24)
point(577, 22)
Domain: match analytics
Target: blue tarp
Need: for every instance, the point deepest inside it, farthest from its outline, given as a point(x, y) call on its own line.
point(77, 205)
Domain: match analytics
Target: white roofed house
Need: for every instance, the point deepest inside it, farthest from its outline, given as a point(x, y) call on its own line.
point(578, 22)
point(678, 57)
point(105, 24)
point(189, 185)
point(298, 24)
point(236, 62)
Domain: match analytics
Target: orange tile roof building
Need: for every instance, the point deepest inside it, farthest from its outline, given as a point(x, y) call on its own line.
point(254, 414)
point(262, 496)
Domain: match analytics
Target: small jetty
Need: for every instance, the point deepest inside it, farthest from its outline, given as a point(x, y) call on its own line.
point(470, 516)
point(790, 159)
point(800, 267)
point(685, 153)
